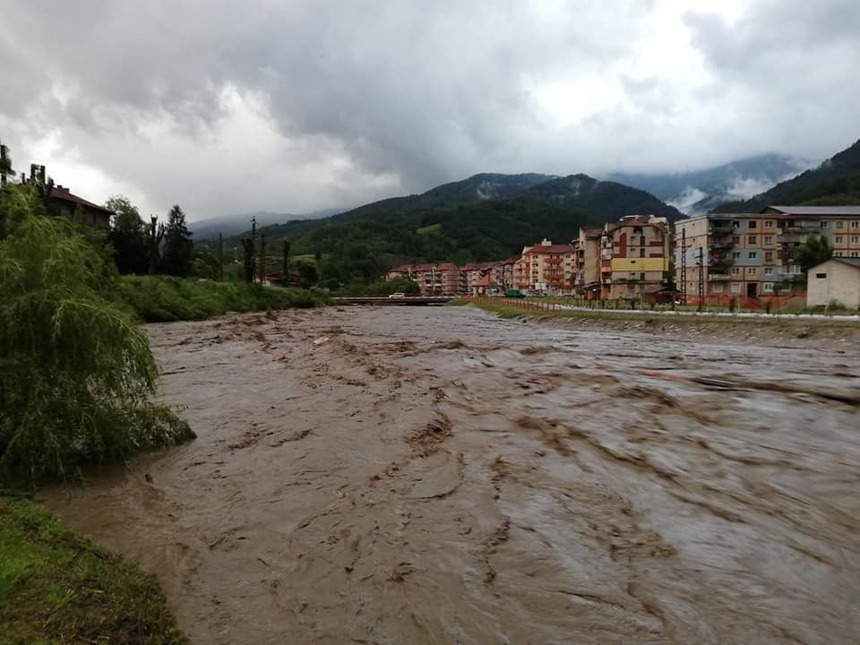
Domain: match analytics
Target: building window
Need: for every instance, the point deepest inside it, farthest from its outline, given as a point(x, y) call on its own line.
point(717, 288)
point(752, 224)
point(750, 270)
point(768, 271)
point(642, 253)
point(768, 223)
point(840, 224)
point(736, 224)
point(855, 239)
point(768, 256)
point(736, 255)
point(751, 239)
point(752, 255)
point(736, 239)
point(767, 287)
point(736, 287)
point(736, 271)
point(855, 224)
point(820, 276)
point(838, 239)
point(855, 254)
point(768, 239)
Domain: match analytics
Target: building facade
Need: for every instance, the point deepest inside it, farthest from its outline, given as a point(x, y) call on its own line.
point(635, 253)
point(547, 268)
point(752, 255)
point(835, 282)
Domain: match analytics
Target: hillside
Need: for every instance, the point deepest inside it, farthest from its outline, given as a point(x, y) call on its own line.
point(699, 191)
point(485, 217)
point(835, 182)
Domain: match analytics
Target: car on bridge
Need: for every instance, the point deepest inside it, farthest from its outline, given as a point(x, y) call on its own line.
point(397, 295)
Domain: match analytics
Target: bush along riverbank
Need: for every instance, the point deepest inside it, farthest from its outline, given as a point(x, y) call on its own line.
point(57, 587)
point(165, 299)
point(77, 382)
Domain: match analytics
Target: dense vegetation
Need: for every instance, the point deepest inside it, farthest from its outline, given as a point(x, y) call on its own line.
point(486, 217)
point(165, 298)
point(836, 182)
point(76, 373)
point(56, 587)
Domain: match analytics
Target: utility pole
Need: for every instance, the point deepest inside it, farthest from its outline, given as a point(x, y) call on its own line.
point(683, 266)
point(262, 258)
point(701, 279)
point(252, 261)
point(221, 257)
point(285, 270)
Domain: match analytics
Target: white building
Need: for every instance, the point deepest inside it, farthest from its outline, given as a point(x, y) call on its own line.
point(836, 281)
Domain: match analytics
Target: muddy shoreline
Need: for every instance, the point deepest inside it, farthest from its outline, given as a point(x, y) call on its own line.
point(411, 474)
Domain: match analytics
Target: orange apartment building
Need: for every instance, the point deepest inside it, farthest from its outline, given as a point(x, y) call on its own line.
point(546, 268)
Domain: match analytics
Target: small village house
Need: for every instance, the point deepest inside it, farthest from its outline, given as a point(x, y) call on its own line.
point(834, 282)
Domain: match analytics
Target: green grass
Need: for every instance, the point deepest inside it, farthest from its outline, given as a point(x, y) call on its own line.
point(429, 230)
point(164, 299)
point(57, 587)
point(522, 308)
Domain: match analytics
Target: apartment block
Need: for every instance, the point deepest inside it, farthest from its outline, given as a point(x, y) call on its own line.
point(433, 279)
point(634, 256)
point(751, 255)
point(547, 268)
point(586, 251)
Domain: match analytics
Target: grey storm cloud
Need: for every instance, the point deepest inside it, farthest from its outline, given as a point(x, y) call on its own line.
point(367, 98)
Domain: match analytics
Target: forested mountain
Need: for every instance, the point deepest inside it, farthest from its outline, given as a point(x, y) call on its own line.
point(485, 217)
point(835, 182)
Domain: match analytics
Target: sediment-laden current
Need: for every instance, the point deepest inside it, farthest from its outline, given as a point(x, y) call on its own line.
point(438, 475)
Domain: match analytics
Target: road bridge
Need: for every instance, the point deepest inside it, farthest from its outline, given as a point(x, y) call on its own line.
point(386, 301)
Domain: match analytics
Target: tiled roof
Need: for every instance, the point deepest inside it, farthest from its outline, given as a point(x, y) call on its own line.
point(63, 193)
point(551, 249)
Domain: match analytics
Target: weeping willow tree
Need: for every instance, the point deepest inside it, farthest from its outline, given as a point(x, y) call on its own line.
point(76, 373)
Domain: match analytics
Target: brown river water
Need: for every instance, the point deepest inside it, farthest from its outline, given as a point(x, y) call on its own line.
point(438, 475)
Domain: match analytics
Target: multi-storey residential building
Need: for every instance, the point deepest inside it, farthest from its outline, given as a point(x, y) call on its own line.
point(474, 271)
point(753, 254)
point(840, 225)
point(508, 273)
point(547, 268)
point(634, 256)
point(433, 279)
point(586, 250)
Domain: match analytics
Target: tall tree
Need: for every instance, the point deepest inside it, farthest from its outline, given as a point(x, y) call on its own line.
point(178, 247)
point(128, 236)
point(814, 251)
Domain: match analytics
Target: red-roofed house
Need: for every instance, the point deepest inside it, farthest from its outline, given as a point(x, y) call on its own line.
point(68, 204)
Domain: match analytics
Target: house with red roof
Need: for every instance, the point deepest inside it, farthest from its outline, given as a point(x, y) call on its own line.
point(68, 204)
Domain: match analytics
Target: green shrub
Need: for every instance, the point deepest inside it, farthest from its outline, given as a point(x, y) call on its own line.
point(165, 298)
point(76, 373)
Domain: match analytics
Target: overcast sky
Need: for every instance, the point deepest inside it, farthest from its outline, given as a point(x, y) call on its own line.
point(292, 106)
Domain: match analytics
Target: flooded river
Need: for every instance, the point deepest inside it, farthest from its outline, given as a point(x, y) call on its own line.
point(437, 475)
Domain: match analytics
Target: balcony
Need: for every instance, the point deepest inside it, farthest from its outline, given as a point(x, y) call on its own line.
point(719, 277)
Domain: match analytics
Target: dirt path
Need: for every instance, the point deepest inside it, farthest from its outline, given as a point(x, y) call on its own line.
point(411, 475)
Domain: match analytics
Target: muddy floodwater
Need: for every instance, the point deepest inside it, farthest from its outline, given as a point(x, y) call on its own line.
point(438, 475)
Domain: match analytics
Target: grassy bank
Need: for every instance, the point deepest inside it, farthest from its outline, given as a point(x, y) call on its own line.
point(164, 299)
point(57, 587)
point(545, 307)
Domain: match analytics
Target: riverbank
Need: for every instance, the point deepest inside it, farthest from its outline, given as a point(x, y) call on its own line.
point(58, 587)
point(764, 330)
